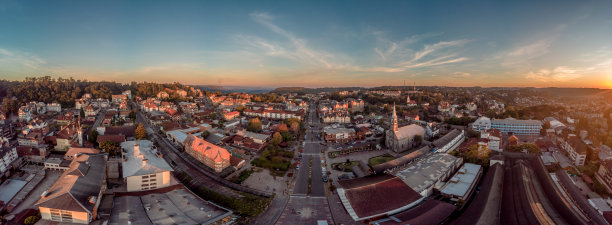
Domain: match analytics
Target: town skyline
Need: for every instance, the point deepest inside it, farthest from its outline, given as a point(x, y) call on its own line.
point(312, 44)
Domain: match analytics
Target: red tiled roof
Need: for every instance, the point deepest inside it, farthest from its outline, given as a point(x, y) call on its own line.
point(128, 131)
point(27, 150)
point(210, 150)
point(373, 195)
point(115, 138)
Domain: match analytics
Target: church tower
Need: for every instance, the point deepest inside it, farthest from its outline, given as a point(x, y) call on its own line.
point(394, 119)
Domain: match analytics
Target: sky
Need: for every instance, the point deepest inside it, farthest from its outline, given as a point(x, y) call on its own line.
point(311, 43)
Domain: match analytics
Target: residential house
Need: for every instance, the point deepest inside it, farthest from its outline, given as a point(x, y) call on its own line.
point(207, 153)
point(75, 196)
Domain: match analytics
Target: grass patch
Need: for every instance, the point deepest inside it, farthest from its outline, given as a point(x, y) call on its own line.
point(380, 159)
point(333, 154)
point(243, 176)
point(274, 159)
point(345, 167)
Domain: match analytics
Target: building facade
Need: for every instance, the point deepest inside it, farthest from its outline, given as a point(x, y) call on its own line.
point(403, 138)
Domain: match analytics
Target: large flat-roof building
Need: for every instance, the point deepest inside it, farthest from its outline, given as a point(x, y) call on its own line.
point(461, 185)
point(74, 198)
point(143, 167)
point(427, 173)
point(377, 196)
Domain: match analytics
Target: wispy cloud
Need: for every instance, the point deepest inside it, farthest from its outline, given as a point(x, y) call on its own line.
point(534, 48)
point(558, 74)
point(15, 61)
point(300, 49)
point(397, 56)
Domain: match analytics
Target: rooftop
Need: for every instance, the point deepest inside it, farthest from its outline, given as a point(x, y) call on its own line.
point(178, 206)
point(376, 195)
point(424, 173)
point(441, 142)
point(73, 189)
point(409, 131)
point(141, 159)
point(460, 183)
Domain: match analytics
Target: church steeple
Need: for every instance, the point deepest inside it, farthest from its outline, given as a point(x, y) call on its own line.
point(394, 119)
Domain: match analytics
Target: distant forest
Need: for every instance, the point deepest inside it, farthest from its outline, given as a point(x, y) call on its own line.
point(65, 90)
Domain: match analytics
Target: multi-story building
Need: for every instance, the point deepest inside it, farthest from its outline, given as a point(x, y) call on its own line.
point(143, 166)
point(32, 138)
point(356, 105)
point(273, 114)
point(8, 155)
point(336, 117)
point(75, 196)
point(481, 124)
point(493, 138)
point(575, 148)
point(118, 98)
point(54, 107)
point(33, 154)
point(207, 153)
point(517, 127)
point(24, 113)
point(604, 174)
point(338, 135)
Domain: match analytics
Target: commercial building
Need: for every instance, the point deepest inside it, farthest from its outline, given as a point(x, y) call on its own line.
point(373, 197)
point(450, 141)
point(509, 125)
point(463, 183)
point(74, 198)
point(143, 166)
point(517, 127)
point(338, 135)
point(428, 173)
point(172, 205)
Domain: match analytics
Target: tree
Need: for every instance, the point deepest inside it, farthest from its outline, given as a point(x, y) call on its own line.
point(31, 220)
point(205, 134)
point(277, 138)
point(110, 147)
point(295, 127)
point(140, 132)
point(418, 139)
point(254, 125)
point(282, 128)
point(93, 136)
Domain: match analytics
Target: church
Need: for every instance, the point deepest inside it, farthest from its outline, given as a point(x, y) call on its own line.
point(402, 138)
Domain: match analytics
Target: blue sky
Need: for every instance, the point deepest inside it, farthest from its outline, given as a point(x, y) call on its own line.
point(310, 43)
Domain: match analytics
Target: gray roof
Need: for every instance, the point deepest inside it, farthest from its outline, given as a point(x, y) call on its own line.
point(441, 142)
point(424, 173)
point(515, 121)
point(141, 159)
point(459, 185)
point(76, 185)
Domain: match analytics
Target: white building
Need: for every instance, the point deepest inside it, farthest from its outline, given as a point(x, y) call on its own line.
point(54, 107)
point(481, 124)
point(7, 156)
point(143, 166)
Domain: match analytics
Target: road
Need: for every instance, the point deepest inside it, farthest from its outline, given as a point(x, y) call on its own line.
point(312, 150)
